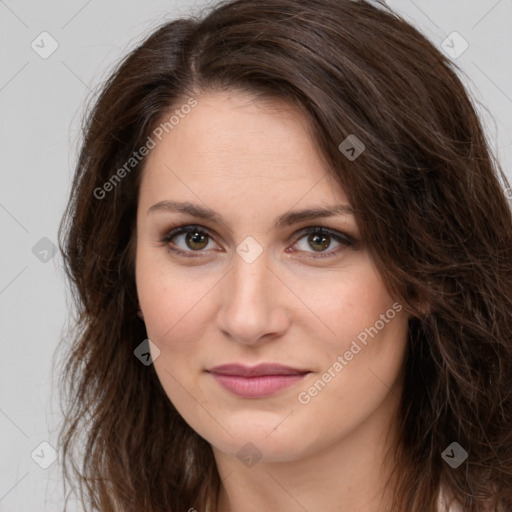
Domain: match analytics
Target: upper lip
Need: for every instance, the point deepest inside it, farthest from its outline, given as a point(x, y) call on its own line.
point(258, 370)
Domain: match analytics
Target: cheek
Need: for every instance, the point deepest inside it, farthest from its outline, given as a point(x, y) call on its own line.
point(368, 352)
point(175, 315)
point(174, 303)
point(361, 352)
point(347, 305)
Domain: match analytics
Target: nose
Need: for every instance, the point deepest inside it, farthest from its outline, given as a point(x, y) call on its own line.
point(253, 307)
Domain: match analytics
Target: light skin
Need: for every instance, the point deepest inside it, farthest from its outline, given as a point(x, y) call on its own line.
point(251, 162)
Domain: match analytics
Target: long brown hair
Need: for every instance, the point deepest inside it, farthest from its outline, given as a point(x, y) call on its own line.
point(428, 202)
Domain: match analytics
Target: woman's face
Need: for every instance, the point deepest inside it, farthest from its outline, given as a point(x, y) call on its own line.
point(252, 286)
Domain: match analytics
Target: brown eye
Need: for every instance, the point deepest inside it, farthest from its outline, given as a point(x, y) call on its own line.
point(316, 240)
point(319, 242)
point(187, 240)
point(196, 240)
point(319, 239)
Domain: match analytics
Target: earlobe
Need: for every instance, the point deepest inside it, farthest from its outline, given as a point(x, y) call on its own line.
point(422, 309)
point(418, 304)
point(139, 311)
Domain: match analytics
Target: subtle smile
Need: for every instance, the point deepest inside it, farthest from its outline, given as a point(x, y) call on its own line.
point(256, 382)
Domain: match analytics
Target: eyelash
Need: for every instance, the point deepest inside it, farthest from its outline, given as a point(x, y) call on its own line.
point(340, 237)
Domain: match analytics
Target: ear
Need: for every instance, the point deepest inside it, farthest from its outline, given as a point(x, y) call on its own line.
point(422, 308)
point(139, 311)
point(419, 306)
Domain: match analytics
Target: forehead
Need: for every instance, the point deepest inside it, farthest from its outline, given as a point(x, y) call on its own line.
point(234, 140)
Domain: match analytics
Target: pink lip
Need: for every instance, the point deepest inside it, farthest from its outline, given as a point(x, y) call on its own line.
point(258, 381)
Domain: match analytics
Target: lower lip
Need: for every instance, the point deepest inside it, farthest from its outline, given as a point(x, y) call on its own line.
point(257, 387)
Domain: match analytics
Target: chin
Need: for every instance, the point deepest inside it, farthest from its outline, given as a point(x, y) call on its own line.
point(261, 440)
point(251, 451)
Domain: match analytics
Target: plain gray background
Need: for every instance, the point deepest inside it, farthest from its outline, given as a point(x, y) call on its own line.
point(42, 101)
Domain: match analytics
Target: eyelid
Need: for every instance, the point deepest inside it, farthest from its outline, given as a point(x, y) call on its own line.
point(342, 238)
point(346, 241)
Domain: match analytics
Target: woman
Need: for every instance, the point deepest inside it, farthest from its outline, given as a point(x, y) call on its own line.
point(292, 263)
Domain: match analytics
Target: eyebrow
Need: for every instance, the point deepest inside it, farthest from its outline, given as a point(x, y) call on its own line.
point(286, 219)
